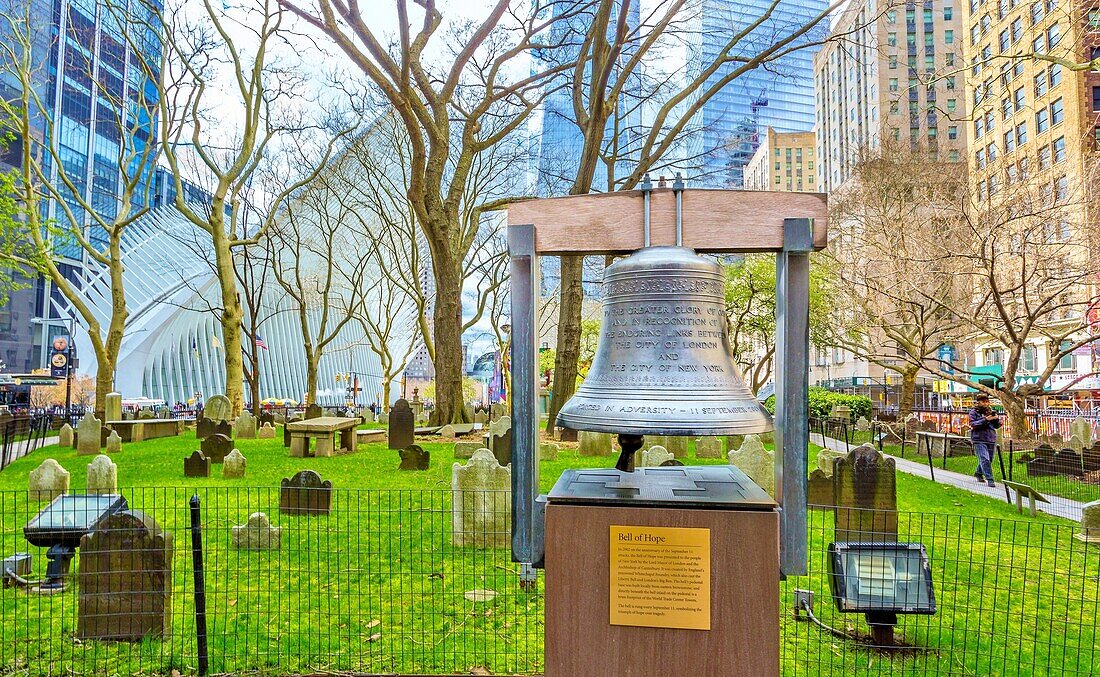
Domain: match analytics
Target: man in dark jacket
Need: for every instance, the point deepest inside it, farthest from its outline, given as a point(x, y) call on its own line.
point(983, 433)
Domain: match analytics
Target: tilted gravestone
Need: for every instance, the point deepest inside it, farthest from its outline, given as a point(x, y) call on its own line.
point(267, 432)
point(112, 407)
point(65, 436)
point(88, 435)
point(401, 425)
point(48, 481)
point(819, 490)
point(102, 476)
point(756, 462)
point(447, 432)
point(125, 579)
point(245, 426)
point(652, 457)
point(413, 457)
point(234, 464)
point(1090, 523)
point(114, 443)
point(466, 449)
point(257, 534)
point(384, 418)
point(206, 427)
point(548, 451)
point(593, 443)
point(196, 465)
point(865, 489)
point(305, 494)
point(216, 447)
point(708, 447)
point(218, 408)
point(1076, 442)
point(481, 501)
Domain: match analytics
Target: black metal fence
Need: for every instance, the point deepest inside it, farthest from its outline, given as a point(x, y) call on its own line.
point(379, 585)
point(21, 435)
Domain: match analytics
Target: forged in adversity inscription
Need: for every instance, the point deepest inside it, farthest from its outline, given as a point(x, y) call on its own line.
point(660, 577)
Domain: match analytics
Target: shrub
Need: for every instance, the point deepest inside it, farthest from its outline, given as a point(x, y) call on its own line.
point(822, 402)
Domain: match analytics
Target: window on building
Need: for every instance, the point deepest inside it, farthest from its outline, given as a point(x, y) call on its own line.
point(1011, 175)
point(947, 13)
point(1055, 76)
point(1054, 36)
point(949, 58)
point(892, 61)
point(1056, 112)
point(1006, 109)
point(951, 82)
point(979, 158)
point(911, 40)
point(892, 39)
point(949, 37)
point(1017, 70)
point(1019, 100)
point(991, 151)
point(1021, 134)
point(1040, 84)
point(974, 35)
point(1096, 99)
point(952, 132)
point(1023, 167)
point(891, 17)
point(911, 61)
point(979, 127)
point(953, 156)
point(933, 132)
point(1042, 121)
point(895, 133)
point(994, 356)
point(1037, 43)
point(1036, 13)
point(1065, 362)
point(1058, 149)
point(1061, 189)
point(1017, 28)
point(1044, 157)
point(952, 104)
point(893, 84)
point(893, 106)
point(986, 22)
point(929, 63)
point(981, 190)
point(928, 40)
point(1002, 41)
point(1010, 141)
point(1027, 358)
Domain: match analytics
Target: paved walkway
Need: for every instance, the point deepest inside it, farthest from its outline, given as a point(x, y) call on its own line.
point(1058, 506)
point(20, 449)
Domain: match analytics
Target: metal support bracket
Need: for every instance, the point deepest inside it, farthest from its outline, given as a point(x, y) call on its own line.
point(524, 272)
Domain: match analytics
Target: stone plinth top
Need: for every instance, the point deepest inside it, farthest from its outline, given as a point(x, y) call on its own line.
point(322, 424)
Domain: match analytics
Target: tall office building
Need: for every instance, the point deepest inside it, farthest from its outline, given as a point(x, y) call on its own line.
point(88, 72)
point(778, 95)
point(897, 72)
point(783, 162)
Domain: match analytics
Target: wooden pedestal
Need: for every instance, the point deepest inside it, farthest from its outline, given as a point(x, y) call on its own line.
point(744, 634)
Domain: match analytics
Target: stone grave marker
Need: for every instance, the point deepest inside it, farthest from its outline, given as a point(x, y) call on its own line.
point(677, 446)
point(206, 427)
point(863, 425)
point(146, 414)
point(825, 460)
point(756, 462)
point(819, 490)
point(481, 501)
point(1080, 429)
point(500, 439)
point(125, 579)
point(480, 417)
point(708, 447)
point(594, 443)
point(447, 432)
point(1068, 462)
point(565, 434)
point(245, 426)
point(734, 441)
point(672, 462)
point(1077, 443)
point(267, 432)
point(215, 448)
point(466, 449)
point(48, 481)
point(102, 476)
point(413, 457)
point(278, 418)
point(548, 451)
point(314, 411)
point(469, 410)
point(257, 534)
point(65, 436)
point(88, 432)
point(401, 425)
point(114, 443)
point(652, 457)
point(1090, 458)
point(112, 407)
point(266, 417)
point(218, 408)
point(196, 465)
point(842, 412)
point(234, 464)
point(305, 494)
point(865, 489)
point(1090, 523)
point(384, 418)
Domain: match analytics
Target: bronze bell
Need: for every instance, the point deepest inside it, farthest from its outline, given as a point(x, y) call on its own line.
point(664, 365)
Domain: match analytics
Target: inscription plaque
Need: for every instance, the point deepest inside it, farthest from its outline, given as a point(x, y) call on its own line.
point(660, 577)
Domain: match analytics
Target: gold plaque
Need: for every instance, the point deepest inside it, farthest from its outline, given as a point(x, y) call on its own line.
point(660, 577)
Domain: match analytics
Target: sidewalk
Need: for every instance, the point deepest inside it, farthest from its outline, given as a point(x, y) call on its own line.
point(19, 449)
point(1058, 506)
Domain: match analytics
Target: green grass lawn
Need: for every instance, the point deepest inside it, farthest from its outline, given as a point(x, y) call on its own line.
point(378, 586)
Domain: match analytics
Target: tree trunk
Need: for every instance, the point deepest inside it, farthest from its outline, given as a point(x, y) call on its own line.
point(1017, 417)
point(254, 381)
point(232, 313)
point(312, 360)
point(908, 391)
point(447, 327)
point(107, 351)
point(569, 336)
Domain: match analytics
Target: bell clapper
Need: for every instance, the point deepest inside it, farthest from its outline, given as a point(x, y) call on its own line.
point(629, 445)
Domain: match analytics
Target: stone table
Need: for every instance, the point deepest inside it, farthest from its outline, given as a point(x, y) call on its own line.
point(324, 429)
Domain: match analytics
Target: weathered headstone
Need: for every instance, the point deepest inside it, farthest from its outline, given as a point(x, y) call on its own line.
point(314, 411)
point(500, 439)
point(146, 414)
point(102, 477)
point(565, 434)
point(825, 460)
point(652, 457)
point(216, 447)
point(1076, 442)
point(267, 432)
point(672, 462)
point(125, 580)
point(218, 408)
point(88, 435)
point(65, 436)
point(819, 490)
point(384, 417)
point(863, 425)
point(842, 412)
point(114, 443)
point(257, 534)
point(413, 457)
point(708, 447)
point(677, 446)
point(305, 494)
point(548, 451)
point(266, 417)
point(1090, 523)
point(112, 407)
point(480, 417)
point(1080, 429)
point(756, 462)
point(401, 425)
point(865, 489)
point(48, 481)
point(734, 441)
point(196, 465)
point(1068, 462)
point(594, 444)
point(466, 449)
point(447, 432)
point(245, 426)
point(234, 464)
point(469, 410)
point(481, 500)
point(205, 427)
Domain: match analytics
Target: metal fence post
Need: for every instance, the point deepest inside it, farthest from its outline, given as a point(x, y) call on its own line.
point(523, 272)
point(200, 586)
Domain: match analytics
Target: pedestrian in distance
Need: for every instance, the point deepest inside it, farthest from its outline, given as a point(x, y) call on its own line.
point(984, 423)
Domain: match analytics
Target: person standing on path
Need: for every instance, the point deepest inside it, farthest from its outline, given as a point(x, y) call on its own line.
point(983, 434)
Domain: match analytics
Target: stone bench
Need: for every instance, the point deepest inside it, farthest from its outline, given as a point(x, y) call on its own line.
point(146, 429)
point(324, 429)
point(377, 435)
